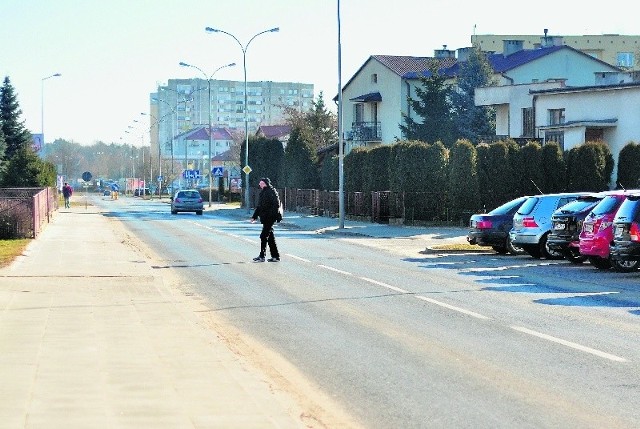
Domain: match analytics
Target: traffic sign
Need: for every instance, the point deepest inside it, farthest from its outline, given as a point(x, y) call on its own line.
point(191, 174)
point(159, 178)
point(218, 171)
point(86, 176)
point(246, 169)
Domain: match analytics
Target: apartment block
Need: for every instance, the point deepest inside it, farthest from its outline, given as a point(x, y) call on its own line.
point(615, 49)
point(184, 104)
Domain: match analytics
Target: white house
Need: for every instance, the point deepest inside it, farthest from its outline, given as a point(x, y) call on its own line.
point(376, 97)
point(571, 116)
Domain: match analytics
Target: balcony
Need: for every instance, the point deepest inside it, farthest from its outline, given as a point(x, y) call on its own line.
point(364, 132)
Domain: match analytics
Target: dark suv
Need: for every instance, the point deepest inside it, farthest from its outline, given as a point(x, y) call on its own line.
point(492, 229)
point(626, 231)
point(566, 224)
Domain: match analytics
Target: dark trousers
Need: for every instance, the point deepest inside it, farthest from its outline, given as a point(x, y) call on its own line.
point(267, 237)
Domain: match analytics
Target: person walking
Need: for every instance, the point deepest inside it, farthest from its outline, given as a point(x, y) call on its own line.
point(67, 191)
point(268, 211)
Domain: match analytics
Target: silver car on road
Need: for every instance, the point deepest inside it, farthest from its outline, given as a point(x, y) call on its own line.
point(187, 200)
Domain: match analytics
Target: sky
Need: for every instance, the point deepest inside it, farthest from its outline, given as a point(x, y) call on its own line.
point(112, 54)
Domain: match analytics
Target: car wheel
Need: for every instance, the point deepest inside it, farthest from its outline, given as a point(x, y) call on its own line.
point(625, 266)
point(199, 212)
point(547, 252)
point(513, 249)
point(574, 257)
point(600, 263)
point(174, 212)
point(501, 250)
point(533, 250)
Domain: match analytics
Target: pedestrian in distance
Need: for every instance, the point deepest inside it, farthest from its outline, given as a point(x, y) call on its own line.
point(269, 212)
point(115, 190)
point(67, 191)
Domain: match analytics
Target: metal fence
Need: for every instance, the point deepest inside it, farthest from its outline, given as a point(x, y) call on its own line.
point(408, 208)
point(25, 211)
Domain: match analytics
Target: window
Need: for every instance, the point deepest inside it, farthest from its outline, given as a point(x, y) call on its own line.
point(374, 78)
point(625, 59)
point(556, 116)
point(555, 136)
point(358, 113)
point(528, 124)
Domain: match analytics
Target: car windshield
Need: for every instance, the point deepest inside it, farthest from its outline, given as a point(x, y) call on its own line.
point(508, 207)
point(609, 204)
point(527, 206)
point(188, 194)
point(579, 205)
point(627, 210)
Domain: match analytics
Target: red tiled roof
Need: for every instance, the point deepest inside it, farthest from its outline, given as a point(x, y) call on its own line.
point(274, 131)
point(202, 133)
point(402, 65)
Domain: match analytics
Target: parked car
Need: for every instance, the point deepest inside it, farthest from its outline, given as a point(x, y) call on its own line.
point(597, 234)
point(532, 223)
point(566, 224)
point(492, 229)
point(187, 200)
point(141, 192)
point(626, 233)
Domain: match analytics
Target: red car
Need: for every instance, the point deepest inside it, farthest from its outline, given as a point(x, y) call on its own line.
point(597, 234)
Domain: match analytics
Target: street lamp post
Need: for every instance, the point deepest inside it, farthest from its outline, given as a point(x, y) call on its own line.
point(42, 103)
point(162, 118)
point(246, 120)
point(208, 78)
point(157, 124)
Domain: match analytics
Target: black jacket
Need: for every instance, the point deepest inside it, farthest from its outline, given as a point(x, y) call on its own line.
point(268, 204)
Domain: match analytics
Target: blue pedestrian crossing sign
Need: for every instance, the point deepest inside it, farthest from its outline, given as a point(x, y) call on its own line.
point(217, 171)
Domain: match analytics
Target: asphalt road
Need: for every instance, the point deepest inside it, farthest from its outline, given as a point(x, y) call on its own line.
point(399, 338)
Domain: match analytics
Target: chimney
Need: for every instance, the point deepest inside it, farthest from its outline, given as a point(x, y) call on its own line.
point(511, 46)
point(444, 53)
point(463, 54)
point(547, 41)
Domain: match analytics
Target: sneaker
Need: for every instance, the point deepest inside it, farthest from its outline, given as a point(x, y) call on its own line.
point(273, 259)
point(258, 259)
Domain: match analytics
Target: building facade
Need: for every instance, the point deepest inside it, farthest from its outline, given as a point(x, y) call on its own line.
point(375, 99)
point(182, 105)
point(569, 116)
point(615, 49)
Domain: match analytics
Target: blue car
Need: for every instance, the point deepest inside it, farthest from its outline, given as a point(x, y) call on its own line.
point(492, 229)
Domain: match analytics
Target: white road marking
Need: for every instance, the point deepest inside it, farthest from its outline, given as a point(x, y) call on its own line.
point(335, 270)
point(297, 257)
point(397, 289)
point(570, 344)
point(453, 307)
point(459, 309)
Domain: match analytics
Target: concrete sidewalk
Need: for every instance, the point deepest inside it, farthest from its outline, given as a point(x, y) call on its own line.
point(91, 337)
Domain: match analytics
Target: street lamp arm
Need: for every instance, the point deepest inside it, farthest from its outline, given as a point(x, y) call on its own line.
point(220, 68)
point(215, 30)
point(183, 64)
point(272, 30)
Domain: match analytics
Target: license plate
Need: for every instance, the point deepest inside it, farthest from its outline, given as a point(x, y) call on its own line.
point(559, 226)
point(619, 231)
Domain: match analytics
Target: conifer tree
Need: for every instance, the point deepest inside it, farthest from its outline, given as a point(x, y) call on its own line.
point(473, 122)
point(433, 108)
point(301, 171)
point(16, 135)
